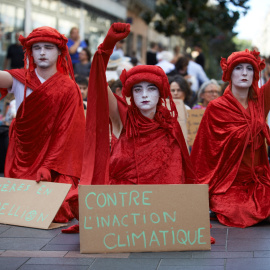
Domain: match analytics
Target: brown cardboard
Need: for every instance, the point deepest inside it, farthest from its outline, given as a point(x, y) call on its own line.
point(193, 123)
point(167, 217)
point(31, 204)
point(182, 115)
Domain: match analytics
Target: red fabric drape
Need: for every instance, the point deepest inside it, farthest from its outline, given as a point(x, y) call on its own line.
point(149, 151)
point(229, 154)
point(50, 134)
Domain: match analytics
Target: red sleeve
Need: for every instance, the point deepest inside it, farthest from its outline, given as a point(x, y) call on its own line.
point(123, 109)
point(266, 90)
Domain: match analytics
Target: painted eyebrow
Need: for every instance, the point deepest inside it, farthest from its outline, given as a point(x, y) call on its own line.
point(139, 85)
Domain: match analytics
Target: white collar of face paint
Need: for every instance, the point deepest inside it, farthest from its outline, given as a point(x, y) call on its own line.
point(146, 96)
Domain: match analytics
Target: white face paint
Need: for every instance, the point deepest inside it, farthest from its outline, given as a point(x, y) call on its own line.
point(146, 96)
point(45, 54)
point(242, 75)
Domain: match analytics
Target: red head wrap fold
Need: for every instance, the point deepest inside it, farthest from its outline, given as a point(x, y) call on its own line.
point(147, 73)
point(251, 57)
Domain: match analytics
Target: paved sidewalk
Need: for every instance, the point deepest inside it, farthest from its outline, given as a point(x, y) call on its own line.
point(235, 249)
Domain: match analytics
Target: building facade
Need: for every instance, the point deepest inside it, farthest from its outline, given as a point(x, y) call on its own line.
point(92, 17)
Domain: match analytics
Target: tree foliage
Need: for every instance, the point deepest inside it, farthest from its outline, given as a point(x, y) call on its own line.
point(209, 23)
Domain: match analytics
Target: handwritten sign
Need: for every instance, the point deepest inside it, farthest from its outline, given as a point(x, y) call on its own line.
point(143, 218)
point(193, 123)
point(30, 204)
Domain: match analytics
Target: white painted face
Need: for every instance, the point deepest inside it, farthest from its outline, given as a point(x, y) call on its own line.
point(242, 75)
point(146, 96)
point(45, 54)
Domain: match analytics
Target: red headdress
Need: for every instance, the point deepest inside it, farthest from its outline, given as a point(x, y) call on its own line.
point(251, 57)
point(152, 74)
point(51, 35)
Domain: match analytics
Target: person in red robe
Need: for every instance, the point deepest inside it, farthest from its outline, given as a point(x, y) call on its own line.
point(229, 152)
point(148, 146)
point(46, 138)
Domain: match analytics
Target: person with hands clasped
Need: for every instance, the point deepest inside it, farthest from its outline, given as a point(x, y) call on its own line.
point(46, 135)
point(148, 146)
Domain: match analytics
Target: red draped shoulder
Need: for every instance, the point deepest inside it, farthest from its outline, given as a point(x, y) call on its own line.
point(51, 131)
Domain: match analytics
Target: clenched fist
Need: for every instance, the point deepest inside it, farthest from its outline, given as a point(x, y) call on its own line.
point(117, 32)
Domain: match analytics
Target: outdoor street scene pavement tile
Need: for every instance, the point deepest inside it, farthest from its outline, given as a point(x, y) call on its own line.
point(262, 254)
point(62, 247)
point(11, 263)
point(33, 253)
point(3, 228)
point(217, 255)
point(248, 244)
point(251, 232)
point(63, 261)
point(191, 267)
point(218, 248)
point(192, 262)
point(77, 254)
point(53, 267)
point(248, 264)
point(124, 264)
point(66, 239)
point(22, 243)
point(23, 232)
point(173, 255)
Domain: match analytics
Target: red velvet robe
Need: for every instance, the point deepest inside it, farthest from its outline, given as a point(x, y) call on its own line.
point(229, 154)
point(157, 155)
point(50, 134)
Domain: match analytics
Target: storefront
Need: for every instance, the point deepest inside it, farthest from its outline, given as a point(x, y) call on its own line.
point(25, 15)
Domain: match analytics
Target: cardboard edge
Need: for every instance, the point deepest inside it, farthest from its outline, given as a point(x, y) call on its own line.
point(56, 225)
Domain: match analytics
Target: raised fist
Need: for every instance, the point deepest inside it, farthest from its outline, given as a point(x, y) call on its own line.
point(117, 32)
point(43, 174)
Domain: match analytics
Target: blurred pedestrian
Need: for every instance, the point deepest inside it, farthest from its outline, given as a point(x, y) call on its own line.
point(200, 57)
point(208, 91)
point(151, 55)
point(75, 45)
point(15, 55)
point(83, 67)
point(180, 89)
point(165, 62)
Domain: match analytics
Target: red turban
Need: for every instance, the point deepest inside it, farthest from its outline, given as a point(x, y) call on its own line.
point(251, 57)
point(147, 73)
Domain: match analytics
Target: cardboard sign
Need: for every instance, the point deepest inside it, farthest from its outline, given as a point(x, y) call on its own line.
point(143, 218)
point(30, 204)
point(182, 115)
point(193, 123)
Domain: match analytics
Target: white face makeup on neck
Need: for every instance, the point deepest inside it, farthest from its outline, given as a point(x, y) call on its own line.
point(146, 96)
point(45, 54)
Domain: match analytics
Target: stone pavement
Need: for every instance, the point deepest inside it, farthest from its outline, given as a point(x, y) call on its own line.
point(235, 249)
